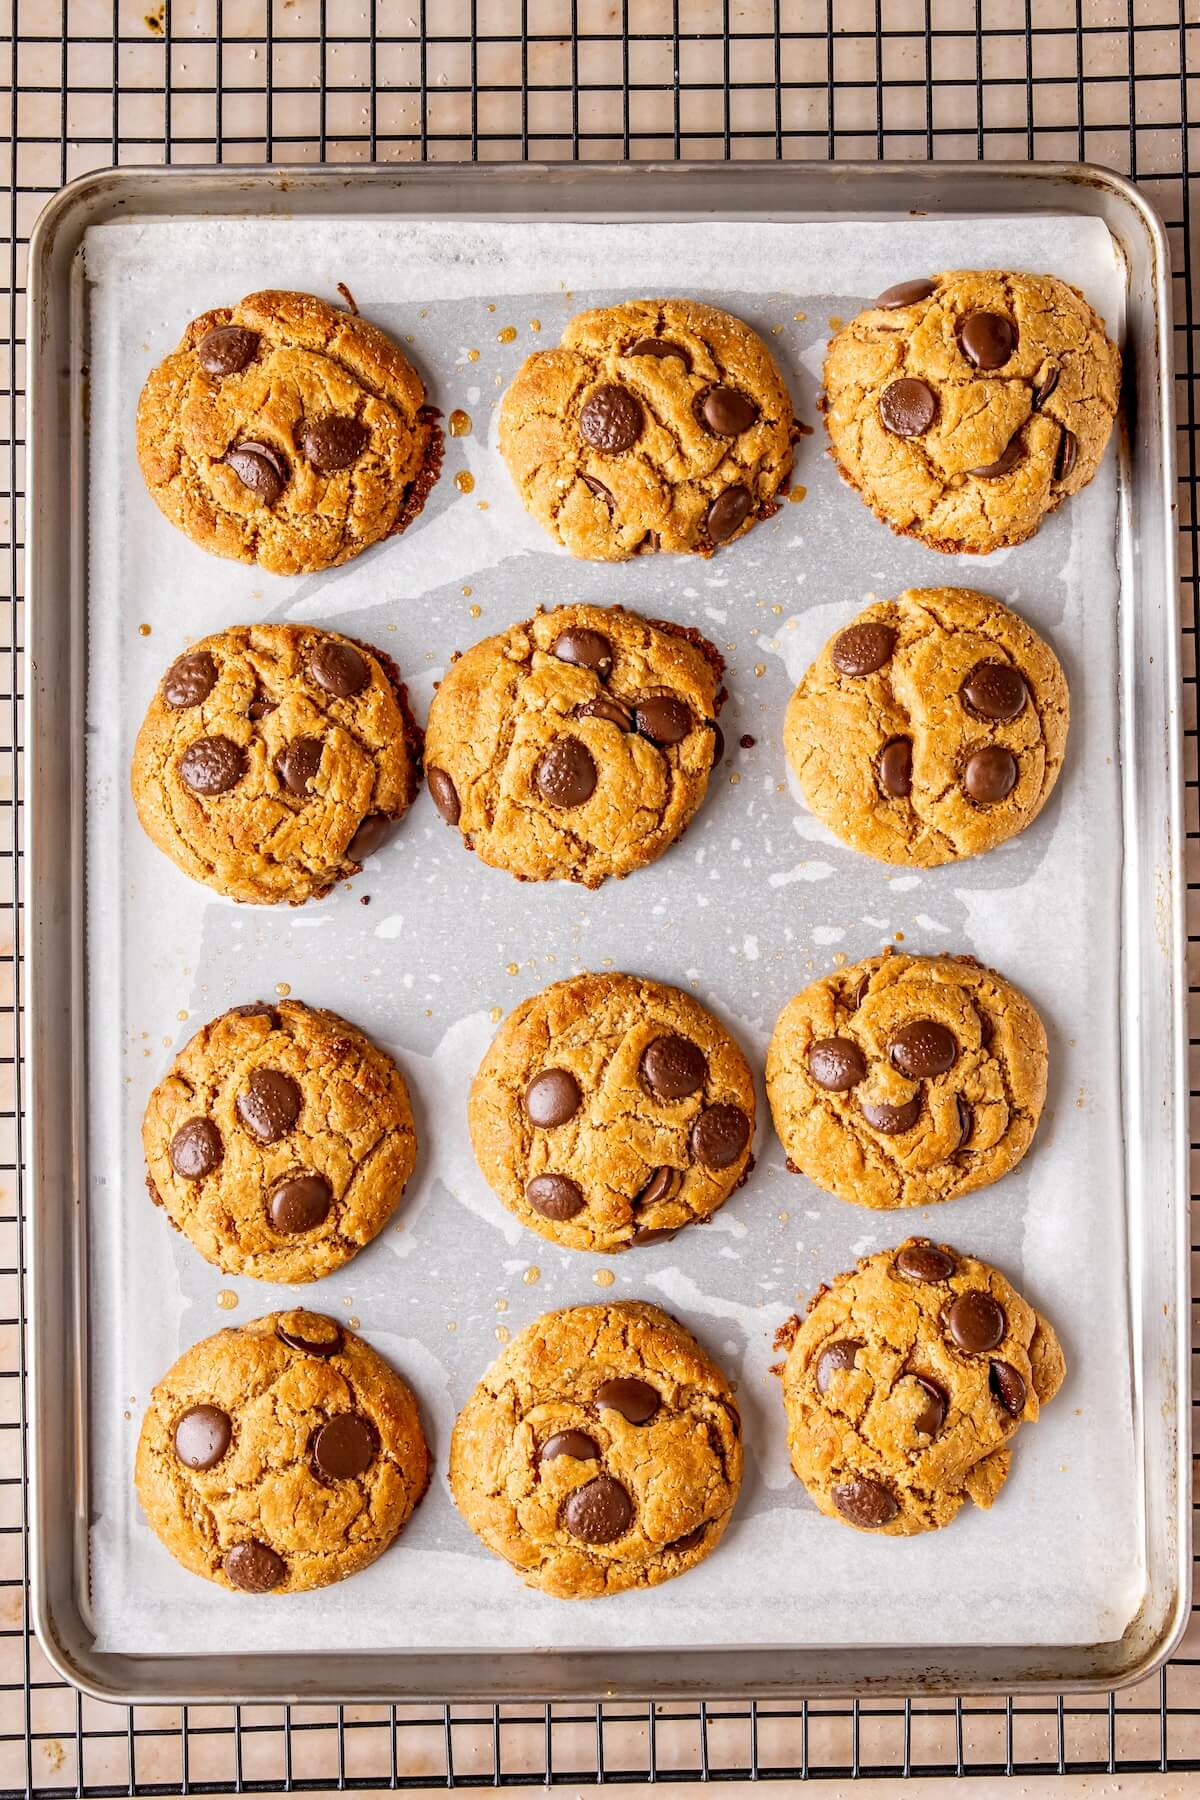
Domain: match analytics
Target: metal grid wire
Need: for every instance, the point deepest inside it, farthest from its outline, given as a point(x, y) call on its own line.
point(94, 82)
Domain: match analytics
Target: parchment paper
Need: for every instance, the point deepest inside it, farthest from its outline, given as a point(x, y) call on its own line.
point(752, 905)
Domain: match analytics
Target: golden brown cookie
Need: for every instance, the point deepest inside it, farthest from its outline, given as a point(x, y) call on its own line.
point(279, 1142)
point(273, 759)
point(601, 1451)
point(577, 744)
point(967, 406)
point(287, 433)
point(612, 1111)
point(654, 425)
point(281, 1455)
point(931, 728)
point(905, 1384)
point(903, 1080)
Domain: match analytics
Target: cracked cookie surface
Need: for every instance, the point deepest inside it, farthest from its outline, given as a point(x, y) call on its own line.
point(653, 425)
point(905, 1384)
point(966, 406)
point(904, 1080)
point(273, 759)
point(280, 1455)
point(601, 1451)
point(286, 433)
point(612, 1111)
point(575, 745)
point(280, 1141)
point(930, 728)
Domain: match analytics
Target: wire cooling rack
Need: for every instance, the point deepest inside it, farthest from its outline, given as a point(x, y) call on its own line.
point(95, 82)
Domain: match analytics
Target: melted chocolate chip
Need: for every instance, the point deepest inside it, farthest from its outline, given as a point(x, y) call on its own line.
point(554, 1196)
point(842, 1354)
point(226, 349)
point(719, 1136)
point(673, 1067)
point(297, 763)
point(994, 690)
point(1007, 460)
point(892, 1119)
point(966, 1122)
point(300, 1203)
point(444, 794)
point(864, 1502)
point(922, 1048)
point(727, 411)
point(1045, 388)
point(660, 347)
point(570, 1443)
point(344, 1447)
point(924, 1262)
point(895, 768)
point(338, 668)
point(861, 649)
point(1068, 451)
point(976, 1322)
point(196, 1149)
point(202, 1436)
point(565, 773)
point(553, 1097)
point(370, 835)
point(212, 765)
point(332, 443)
point(605, 707)
point(905, 293)
point(1008, 1385)
point(611, 419)
point(933, 1412)
point(304, 1339)
point(836, 1064)
point(988, 339)
point(269, 1105)
point(727, 513)
point(586, 649)
point(598, 1512)
point(990, 775)
point(907, 407)
point(601, 492)
point(664, 1184)
point(254, 1567)
point(189, 680)
point(635, 1400)
point(260, 469)
point(662, 718)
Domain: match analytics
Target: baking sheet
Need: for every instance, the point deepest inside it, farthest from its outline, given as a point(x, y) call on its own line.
point(755, 902)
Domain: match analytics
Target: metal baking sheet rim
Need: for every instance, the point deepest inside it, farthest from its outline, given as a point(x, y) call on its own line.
point(1153, 992)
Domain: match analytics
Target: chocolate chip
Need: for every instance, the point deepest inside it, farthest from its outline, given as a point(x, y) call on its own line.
point(976, 1322)
point(611, 419)
point(605, 707)
point(673, 1067)
point(328, 1345)
point(196, 1149)
point(332, 443)
point(994, 690)
point(990, 775)
point(344, 1447)
point(212, 765)
point(929, 1419)
point(719, 1136)
point(370, 835)
point(226, 349)
point(1045, 388)
point(651, 1235)
point(718, 742)
point(565, 773)
point(339, 669)
point(586, 649)
point(966, 1122)
point(598, 1512)
point(861, 649)
point(727, 411)
point(662, 718)
point(570, 1443)
point(660, 347)
point(1068, 450)
point(190, 680)
point(259, 709)
point(553, 1097)
point(862, 990)
point(907, 407)
point(895, 768)
point(925, 1262)
point(727, 512)
point(300, 1203)
point(843, 1354)
point(258, 1009)
point(269, 1105)
point(987, 1030)
point(905, 293)
point(836, 1063)
point(297, 763)
point(922, 1048)
point(865, 1502)
point(254, 1567)
point(445, 797)
point(1007, 460)
point(892, 1119)
point(555, 1196)
point(601, 492)
point(1008, 1385)
point(664, 1184)
point(635, 1400)
point(203, 1435)
point(988, 339)
point(688, 1542)
point(260, 469)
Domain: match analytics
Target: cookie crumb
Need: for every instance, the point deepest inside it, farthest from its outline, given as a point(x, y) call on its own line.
point(364, 900)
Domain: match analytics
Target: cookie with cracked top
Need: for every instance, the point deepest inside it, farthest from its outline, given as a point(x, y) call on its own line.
point(601, 1451)
point(612, 1111)
point(966, 406)
point(274, 759)
point(653, 425)
point(905, 1384)
point(288, 433)
point(577, 744)
point(931, 727)
point(904, 1080)
point(280, 1455)
point(280, 1141)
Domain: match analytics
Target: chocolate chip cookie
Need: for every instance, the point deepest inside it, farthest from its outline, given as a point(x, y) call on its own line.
point(965, 407)
point(274, 759)
point(576, 745)
point(931, 728)
point(654, 425)
point(601, 1451)
point(905, 1384)
point(612, 1111)
point(281, 1455)
point(279, 1142)
point(287, 433)
point(903, 1080)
